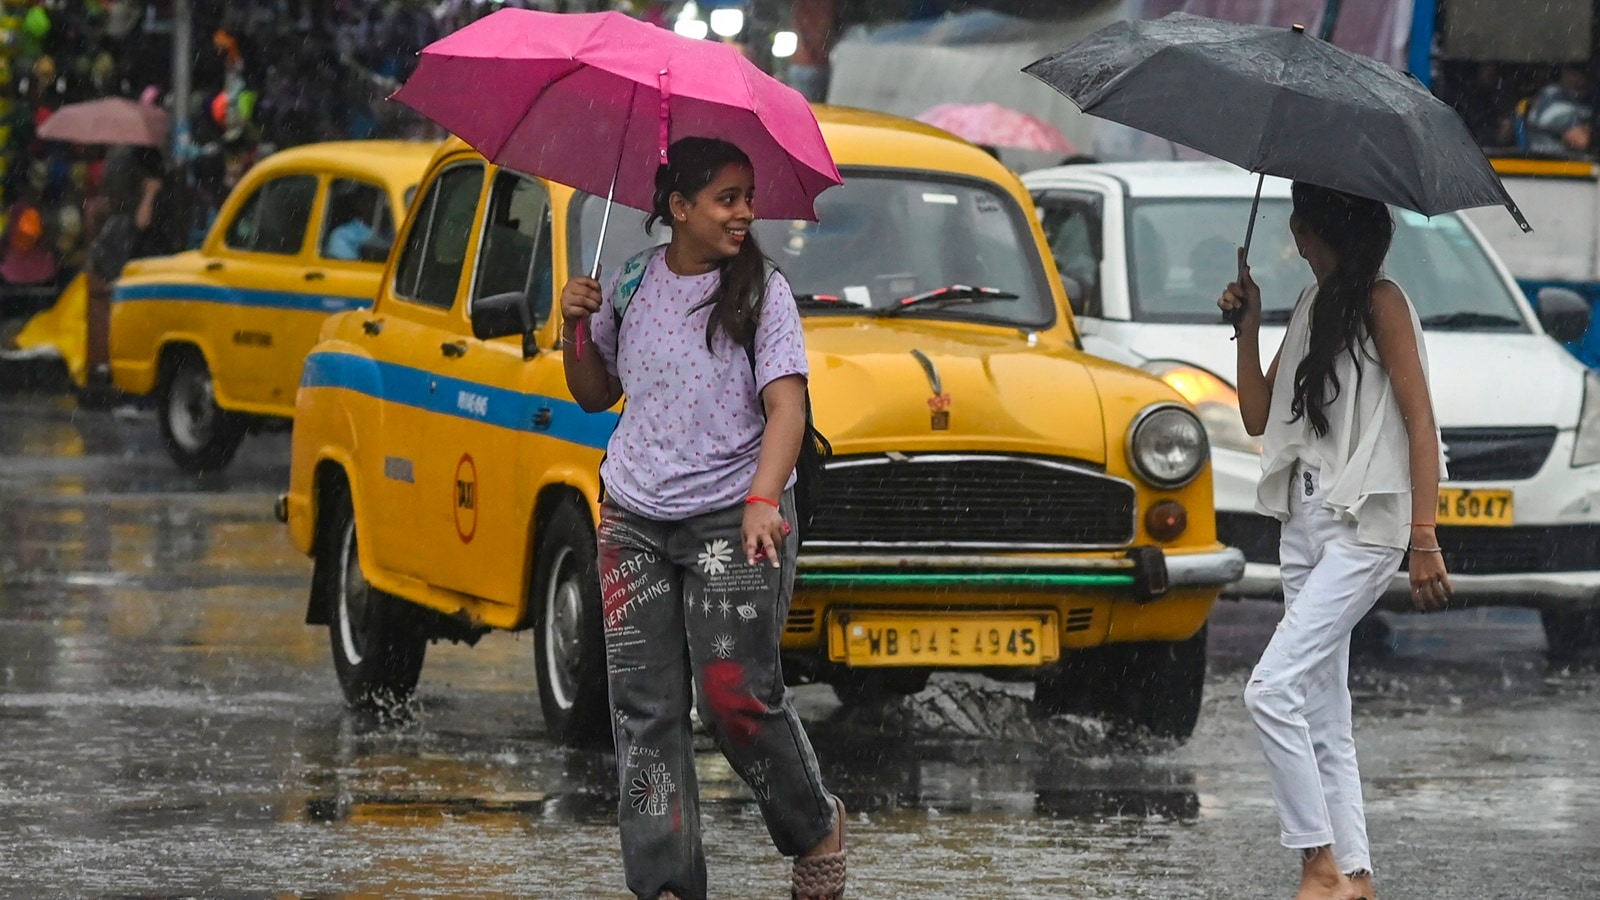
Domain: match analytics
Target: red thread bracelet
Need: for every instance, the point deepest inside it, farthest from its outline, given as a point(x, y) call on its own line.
point(756, 498)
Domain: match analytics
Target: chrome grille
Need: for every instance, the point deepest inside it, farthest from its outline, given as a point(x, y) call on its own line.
point(966, 502)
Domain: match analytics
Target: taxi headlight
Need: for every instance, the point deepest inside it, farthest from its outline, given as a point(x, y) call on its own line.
point(1214, 400)
point(1167, 445)
point(1586, 445)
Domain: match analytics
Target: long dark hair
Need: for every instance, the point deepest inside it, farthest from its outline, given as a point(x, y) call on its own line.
point(691, 164)
point(1358, 231)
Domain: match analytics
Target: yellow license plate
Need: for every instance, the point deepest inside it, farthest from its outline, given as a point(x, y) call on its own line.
point(949, 640)
point(1464, 506)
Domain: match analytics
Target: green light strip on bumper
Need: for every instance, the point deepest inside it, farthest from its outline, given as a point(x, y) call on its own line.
point(984, 579)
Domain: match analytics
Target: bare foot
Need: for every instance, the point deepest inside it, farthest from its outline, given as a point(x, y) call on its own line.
point(834, 842)
point(1320, 879)
point(1363, 884)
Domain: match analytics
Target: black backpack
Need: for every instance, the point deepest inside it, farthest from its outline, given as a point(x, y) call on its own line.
point(815, 450)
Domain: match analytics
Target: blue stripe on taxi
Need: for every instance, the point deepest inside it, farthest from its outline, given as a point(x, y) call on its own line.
point(204, 293)
point(456, 397)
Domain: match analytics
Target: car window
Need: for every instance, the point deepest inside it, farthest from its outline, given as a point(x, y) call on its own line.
point(436, 247)
point(1182, 254)
point(883, 236)
point(1071, 223)
point(357, 212)
point(274, 218)
point(515, 252)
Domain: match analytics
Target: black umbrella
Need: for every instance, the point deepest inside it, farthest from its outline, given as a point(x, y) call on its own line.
point(1280, 102)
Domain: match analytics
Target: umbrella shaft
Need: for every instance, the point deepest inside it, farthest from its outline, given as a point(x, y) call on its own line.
point(1250, 229)
point(605, 220)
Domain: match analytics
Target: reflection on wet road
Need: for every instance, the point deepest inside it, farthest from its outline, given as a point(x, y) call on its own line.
point(169, 726)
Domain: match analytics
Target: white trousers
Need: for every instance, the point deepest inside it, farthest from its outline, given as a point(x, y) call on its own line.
point(1299, 693)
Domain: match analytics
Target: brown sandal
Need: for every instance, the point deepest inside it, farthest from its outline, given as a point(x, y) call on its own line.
point(821, 877)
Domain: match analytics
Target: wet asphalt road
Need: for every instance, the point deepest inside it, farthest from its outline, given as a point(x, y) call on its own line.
point(168, 727)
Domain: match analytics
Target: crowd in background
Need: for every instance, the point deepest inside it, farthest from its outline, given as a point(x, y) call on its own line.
point(265, 75)
point(1535, 110)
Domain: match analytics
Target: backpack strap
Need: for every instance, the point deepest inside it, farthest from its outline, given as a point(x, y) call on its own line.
point(629, 281)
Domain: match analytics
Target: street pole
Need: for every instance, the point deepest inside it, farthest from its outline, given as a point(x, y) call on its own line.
point(182, 76)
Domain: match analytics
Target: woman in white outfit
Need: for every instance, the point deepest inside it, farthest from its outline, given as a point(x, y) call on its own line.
point(1351, 466)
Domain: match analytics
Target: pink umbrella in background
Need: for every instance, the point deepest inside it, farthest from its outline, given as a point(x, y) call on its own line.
point(592, 101)
point(112, 120)
point(997, 126)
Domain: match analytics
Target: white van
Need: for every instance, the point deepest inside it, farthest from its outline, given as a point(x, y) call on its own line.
point(1147, 248)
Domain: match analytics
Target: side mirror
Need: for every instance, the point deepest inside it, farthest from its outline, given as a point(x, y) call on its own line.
point(503, 315)
point(1563, 313)
point(374, 249)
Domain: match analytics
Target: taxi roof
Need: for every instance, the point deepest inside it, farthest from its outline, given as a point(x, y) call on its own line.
point(400, 163)
point(859, 137)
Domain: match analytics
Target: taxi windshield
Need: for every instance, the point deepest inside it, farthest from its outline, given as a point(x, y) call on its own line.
point(1181, 255)
point(882, 239)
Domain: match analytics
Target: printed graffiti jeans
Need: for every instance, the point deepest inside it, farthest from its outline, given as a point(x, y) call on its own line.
point(1299, 693)
point(681, 603)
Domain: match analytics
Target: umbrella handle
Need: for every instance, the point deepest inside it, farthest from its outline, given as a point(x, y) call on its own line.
point(1231, 317)
point(581, 332)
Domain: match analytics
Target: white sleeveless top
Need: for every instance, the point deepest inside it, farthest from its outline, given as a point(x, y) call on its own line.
point(1364, 459)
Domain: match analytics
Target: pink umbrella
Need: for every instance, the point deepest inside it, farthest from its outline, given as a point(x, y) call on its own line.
point(111, 120)
point(585, 99)
point(997, 126)
point(592, 101)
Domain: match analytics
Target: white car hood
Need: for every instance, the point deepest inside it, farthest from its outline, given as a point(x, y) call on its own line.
point(1478, 379)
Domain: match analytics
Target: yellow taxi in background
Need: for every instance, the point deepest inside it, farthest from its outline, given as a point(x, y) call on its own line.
point(998, 500)
point(218, 335)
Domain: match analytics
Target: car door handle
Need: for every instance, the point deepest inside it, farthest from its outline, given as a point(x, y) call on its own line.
point(214, 266)
point(315, 276)
point(542, 417)
point(372, 327)
point(454, 349)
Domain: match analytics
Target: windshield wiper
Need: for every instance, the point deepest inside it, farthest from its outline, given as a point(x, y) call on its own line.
point(824, 301)
point(1469, 320)
point(954, 295)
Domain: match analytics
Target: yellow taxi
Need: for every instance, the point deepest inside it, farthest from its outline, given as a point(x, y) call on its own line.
point(998, 500)
point(218, 335)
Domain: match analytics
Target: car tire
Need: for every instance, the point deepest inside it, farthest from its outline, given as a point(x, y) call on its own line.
point(1156, 687)
point(200, 436)
point(857, 688)
point(377, 640)
point(569, 644)
point(1571, 635)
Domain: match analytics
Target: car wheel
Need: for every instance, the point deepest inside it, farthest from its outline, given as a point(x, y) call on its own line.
point(857, 688)
point(569, 646)
point(1155, 686)
point(378, 643)
point(1571, 634)
point(200, 436)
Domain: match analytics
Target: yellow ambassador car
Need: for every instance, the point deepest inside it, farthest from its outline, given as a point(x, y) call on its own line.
point(998, 500)
point(217, 335)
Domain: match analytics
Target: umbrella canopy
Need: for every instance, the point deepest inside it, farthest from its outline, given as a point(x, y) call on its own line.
point(582, 99)
point(997, 126)
point(112, 120)
point(1280, 102)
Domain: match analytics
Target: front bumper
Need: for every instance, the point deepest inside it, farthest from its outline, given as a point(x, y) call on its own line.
point(1147, 571)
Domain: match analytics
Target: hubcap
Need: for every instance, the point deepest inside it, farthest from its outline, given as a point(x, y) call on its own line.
point(192, 408)
point(563, 638)
point(355, 602)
